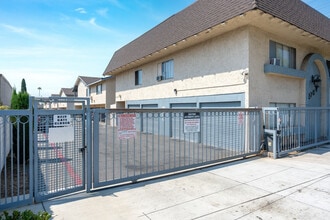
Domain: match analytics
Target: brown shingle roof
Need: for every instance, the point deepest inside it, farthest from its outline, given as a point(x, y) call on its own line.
point(298, 14)
point(67, 91)
point(204, 14)
point(88, 80)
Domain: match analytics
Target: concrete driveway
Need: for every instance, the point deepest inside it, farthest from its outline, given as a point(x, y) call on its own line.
point(294, 187)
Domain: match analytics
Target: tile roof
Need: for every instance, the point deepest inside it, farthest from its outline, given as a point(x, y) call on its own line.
point(204, 14)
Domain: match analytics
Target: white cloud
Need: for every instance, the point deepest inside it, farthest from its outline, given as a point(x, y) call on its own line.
point(92, 23)
point(32, 34)
point(81, 10)
point(19, 30)
point(102, 12)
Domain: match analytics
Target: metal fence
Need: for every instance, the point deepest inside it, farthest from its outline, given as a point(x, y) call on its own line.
point(47, 152)
point(16, 167)
point(132, 144)
point(295, 129)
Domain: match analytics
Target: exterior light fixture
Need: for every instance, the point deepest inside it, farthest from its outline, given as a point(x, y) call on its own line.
point(175, 91)
point(316, 80)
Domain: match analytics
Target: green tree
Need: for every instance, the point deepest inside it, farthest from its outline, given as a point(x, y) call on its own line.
point(23, 100)
point(14, 100)
point(23, 86)
point(20, 124)
point(20, 100)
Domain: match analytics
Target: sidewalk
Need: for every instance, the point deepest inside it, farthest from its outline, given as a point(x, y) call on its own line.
point(294, 187)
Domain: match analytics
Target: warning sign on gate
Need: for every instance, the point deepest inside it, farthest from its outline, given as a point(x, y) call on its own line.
point(191, 122)
point(126, 126)
point(240, 118)
point(62, 120)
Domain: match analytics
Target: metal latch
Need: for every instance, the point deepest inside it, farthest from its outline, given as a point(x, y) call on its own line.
point(83, 149)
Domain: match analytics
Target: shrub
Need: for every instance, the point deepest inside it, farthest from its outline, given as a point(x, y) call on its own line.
point(4, 107)
point(25, 215)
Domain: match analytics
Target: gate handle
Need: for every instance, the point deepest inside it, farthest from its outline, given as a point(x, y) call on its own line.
point(83, 149)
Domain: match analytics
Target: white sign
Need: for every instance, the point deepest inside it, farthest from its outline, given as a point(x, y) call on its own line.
point(126, 126)
point(191, 122)
point(61, 135)
point(61, 120)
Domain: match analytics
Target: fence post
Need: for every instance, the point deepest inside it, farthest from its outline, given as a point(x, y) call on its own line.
point(89, 144)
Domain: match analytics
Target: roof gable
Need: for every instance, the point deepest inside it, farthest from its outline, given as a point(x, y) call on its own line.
point(67, 92)
point(88, 80)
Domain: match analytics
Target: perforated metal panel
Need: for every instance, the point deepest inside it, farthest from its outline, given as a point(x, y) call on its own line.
point(59, 147)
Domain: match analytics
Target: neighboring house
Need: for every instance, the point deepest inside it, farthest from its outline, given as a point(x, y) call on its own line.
point(64, 93)
point(220, 53)
point(102, 93)
point(81, 88)
point(5, 99)
point(5, 91)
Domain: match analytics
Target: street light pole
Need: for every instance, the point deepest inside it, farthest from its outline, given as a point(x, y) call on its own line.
point(39, 88)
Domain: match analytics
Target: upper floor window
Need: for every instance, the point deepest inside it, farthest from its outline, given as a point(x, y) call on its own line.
point(99, 89)
point(138, 77)
point(88, 92)
point(282, 55)
point(168, 69)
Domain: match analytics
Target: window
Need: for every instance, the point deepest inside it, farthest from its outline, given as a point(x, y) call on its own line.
point(138, 77)
point(168, 69)
point(99, 89)
point(88, 92)
point(285, 54)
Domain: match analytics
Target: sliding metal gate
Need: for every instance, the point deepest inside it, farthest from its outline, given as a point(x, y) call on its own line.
point(59, 146)
point(169, 141)
point(128, 145)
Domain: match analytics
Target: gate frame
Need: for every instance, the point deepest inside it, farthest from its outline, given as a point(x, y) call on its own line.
point(86, 140)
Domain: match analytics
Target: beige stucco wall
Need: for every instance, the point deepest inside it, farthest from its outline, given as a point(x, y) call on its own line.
point(107, 97)
point(98, 99)
point(209, 68)
point(111, 92)
point(81, 91)
point(273, 88)
point(215, 67)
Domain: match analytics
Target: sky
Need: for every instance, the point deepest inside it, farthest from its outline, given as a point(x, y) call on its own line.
point(50, 43)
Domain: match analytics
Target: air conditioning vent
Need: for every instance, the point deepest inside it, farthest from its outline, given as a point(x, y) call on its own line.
point(159, 78)
point(275, 61)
